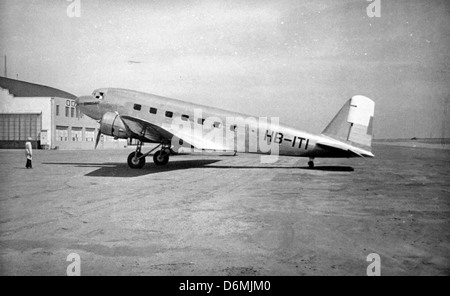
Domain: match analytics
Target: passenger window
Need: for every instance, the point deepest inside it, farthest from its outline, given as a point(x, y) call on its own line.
point(153, 110)
point(137, 107)
point(233, 127)
point(200, 121)
point(216, 124)
point(184, 117)
point(169, 114)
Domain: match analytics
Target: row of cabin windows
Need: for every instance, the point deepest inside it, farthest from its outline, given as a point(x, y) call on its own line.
point(184, 117)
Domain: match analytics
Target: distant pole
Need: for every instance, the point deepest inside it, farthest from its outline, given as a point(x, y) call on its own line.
point(444, 120)
point(6, 68)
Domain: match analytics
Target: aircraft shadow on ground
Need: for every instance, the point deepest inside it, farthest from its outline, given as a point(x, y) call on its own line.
point(330, 168)
point(317, 168)
point(113, 169)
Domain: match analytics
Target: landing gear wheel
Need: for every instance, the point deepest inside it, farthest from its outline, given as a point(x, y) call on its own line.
point(161, 159)
point(134, 161)
point(311, 164)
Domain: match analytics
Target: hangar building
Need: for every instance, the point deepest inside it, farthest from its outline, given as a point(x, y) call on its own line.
point(47, 115)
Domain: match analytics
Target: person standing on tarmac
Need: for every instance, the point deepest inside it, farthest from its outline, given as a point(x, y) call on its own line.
point(29, 153)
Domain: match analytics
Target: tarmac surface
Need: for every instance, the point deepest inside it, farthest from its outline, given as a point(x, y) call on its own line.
point(224, 215)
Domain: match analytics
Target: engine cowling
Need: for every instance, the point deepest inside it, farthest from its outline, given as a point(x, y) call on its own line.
point(112, 125)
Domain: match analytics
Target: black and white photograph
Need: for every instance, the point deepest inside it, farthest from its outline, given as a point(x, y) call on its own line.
point(223, 143)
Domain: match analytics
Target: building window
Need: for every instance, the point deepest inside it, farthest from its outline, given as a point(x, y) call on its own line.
point(200, 121)
point(153, 110)
point(137, 107)
point(57, 110)
point(62, 133)
point(89, 134)
point(184, 117)
point(77, 134)
point(67, 111)
point(169, 114)
point(79, 114)
point(72, 112)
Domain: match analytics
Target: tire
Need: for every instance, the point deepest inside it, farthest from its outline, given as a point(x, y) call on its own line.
point(311, 164)
point(158, 161)
point(134, 162)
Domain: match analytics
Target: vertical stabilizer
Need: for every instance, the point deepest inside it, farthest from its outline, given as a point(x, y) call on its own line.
point(353, 124)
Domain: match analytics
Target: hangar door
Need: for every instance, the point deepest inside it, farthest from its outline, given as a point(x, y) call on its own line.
point(16, 128)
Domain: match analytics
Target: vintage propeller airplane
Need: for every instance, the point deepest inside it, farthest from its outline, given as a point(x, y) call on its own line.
point(174, 124)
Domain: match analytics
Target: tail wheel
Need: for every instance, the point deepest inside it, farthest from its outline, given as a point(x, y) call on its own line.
point(135, 161)
point(161, 158)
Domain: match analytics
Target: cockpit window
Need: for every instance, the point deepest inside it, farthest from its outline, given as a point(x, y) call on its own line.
point(98, 95)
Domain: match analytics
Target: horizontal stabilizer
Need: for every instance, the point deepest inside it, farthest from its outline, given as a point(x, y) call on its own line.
point(351, 150)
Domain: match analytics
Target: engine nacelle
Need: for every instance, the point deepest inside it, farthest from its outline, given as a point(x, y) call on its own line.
point(112, 125)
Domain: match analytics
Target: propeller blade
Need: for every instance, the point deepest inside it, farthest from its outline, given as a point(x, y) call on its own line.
point(99, 134)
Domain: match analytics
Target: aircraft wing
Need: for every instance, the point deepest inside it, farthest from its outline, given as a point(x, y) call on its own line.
point(329, 143)
point(159, 134)
point(146, 129)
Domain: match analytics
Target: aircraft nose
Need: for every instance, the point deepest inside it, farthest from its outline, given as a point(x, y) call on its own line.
point(89, 105)
point(84, 99)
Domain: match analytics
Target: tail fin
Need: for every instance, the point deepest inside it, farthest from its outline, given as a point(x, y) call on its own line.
point(353, 123)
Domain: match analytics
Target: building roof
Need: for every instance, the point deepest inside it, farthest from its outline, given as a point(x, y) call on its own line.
point(20, 88)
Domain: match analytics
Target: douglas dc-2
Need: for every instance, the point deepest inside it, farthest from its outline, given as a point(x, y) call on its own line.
point(175, 125)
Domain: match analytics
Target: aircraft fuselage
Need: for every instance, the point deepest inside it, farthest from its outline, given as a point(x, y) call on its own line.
point(248, 130)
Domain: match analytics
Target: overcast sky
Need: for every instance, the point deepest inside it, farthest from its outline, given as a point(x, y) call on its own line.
point(298, 60)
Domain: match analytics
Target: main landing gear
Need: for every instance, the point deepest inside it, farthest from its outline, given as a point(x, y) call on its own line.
point(136, 160)
point(311, 163)
point(161, 157)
